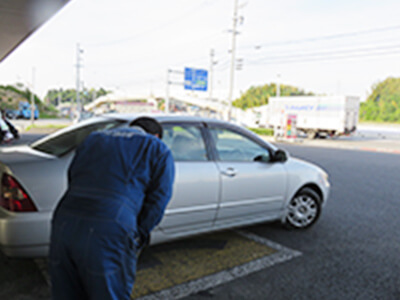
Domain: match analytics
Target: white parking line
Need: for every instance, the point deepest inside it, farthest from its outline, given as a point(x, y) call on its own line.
point(179, 291)
point(43, 268)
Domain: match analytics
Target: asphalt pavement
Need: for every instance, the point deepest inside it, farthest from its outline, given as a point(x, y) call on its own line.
point(351, 253)
point(353, 250)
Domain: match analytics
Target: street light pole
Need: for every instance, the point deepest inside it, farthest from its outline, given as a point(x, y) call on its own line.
point(32, 97)
point(78, 81)
point(166, 108)
point(211, 72)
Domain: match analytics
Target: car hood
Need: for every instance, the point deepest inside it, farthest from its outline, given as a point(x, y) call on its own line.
point(23, 153)
point(299, 163)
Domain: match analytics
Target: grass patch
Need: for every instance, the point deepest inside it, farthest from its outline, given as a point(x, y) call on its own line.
point(263, 131)
point(380, 123)
point(48, 126)
point(50, 115)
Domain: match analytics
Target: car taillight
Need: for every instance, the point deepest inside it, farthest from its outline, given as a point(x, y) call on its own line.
point(13, 197)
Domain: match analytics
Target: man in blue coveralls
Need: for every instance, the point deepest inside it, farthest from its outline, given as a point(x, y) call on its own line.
point(119, 184)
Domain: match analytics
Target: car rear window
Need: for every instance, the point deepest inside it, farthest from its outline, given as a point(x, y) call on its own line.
point(65, 142)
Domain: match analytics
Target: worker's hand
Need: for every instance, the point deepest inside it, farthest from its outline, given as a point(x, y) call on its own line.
point(138, 252)
point(142, 243)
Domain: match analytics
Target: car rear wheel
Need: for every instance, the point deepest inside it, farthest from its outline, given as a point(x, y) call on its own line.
point(304, 209)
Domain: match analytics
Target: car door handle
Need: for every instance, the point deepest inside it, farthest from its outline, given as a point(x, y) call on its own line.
point(230, 172)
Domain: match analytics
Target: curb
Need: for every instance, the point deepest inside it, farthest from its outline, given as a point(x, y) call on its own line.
point(39, 130)
point(337, 146)
point(383, 150)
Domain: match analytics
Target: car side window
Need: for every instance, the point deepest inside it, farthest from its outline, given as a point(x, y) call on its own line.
point(185, 141)
point(65, 142)
point(234, 146)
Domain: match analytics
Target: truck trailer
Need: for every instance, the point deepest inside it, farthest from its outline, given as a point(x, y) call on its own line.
point(315, 115)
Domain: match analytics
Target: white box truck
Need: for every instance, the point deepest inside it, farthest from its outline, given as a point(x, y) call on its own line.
point(315, 115)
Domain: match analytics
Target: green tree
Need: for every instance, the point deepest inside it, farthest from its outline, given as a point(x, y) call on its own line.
point(13, 95)
point(383, 104)
point(259, 95)
point(58, 96)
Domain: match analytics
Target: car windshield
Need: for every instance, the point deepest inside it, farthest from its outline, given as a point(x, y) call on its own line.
point(63, 142)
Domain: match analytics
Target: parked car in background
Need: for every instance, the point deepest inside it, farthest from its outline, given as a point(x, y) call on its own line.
point(23, 112)
point(225, 176)
point(11, 113)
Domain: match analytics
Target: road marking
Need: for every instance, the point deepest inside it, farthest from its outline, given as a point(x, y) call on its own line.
point(382, 150)
point(281, 255)
point(42, 264)
point(393, 146)
point(272, 254)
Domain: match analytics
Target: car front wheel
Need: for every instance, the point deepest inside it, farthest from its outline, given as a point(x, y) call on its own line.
point(304, 209)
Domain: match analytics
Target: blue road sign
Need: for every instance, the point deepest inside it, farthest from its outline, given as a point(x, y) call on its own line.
point(196, 79)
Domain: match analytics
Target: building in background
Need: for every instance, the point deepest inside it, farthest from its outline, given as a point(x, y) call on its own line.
point(123, 104)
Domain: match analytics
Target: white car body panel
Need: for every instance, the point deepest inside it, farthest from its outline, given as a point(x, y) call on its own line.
point(200, 211)
point(257, 189)
point(301, 173)
point(295, 182)
point(204, 199)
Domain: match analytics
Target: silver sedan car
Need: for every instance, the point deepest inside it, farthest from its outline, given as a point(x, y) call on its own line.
point(225, 176)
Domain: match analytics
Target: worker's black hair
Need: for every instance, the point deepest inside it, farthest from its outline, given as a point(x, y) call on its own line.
point(149, 125)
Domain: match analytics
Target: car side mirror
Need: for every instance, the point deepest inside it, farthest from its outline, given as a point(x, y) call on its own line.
point(262, 158)
point(279, 156)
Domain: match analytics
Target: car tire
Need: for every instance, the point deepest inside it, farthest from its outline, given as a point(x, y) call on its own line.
point(303, 210)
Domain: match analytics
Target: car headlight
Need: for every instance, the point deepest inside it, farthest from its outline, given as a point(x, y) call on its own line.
point(323, 177)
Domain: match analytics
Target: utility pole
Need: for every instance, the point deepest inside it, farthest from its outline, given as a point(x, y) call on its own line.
point(32, 96)
point(278, 85)
point(233, 53)
point(94, 95)
point(78, 81)
point(211, 72)
point(59, 97)
point(166, 108)
point(170, 82)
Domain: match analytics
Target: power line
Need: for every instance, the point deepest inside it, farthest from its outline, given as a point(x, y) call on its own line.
point(326, 53)
point(163, 25)
point(222, 66)
point(326, 37)
point(326, 58)
point(291, 50)
point(203, 40)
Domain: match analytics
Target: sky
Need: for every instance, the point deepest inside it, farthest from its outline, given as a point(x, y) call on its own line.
point(321, 46)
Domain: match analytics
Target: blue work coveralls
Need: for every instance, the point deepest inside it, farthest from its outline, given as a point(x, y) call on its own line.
point(120, 182)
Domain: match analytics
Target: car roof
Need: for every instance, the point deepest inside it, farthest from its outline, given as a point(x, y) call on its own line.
point(161, 117)
point(128, 117)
